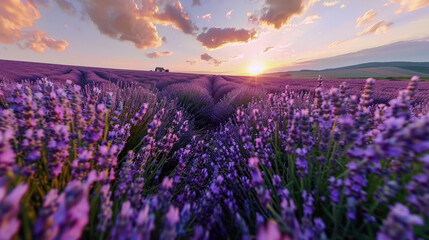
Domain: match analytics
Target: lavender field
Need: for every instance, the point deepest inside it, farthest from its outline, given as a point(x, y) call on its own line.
point(91, 153)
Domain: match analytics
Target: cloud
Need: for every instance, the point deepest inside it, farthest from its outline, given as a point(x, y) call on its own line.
point(124, 20)
point(158, 54)
point(343, 6)
point(228, 14)
point(176, 16)
point(196, 3)
point(17, 27)
point(267, 49)
point(337, 43)
point(310, 20)
point(378, 27)
point(208, 17)
point(216, 38)
point(410, 5)
point(206, 57)
point(277, 13)
point(192, 62)
point(367, 18)
point(39, 41)
point(218, 62)
point(330, 3)
point(66, 6)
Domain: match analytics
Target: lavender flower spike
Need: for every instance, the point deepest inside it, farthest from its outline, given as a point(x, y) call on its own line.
point(9, 209)
point(399, 224)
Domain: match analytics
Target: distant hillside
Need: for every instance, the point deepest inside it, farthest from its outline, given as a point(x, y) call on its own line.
point(388, 70)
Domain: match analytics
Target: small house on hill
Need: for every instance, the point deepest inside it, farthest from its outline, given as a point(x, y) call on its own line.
point(161, 69)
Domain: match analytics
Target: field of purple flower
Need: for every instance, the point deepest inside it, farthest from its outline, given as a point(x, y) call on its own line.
point(120, 159)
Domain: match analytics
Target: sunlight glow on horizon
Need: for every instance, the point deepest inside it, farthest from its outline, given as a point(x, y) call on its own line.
point(256, 68)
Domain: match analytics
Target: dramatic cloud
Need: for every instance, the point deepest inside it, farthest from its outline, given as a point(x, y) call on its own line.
point(158, 54)
point(196, 3)
point(277, 13)
point(228, 14)
point(310, 20)
point(176, 16)
point(267, 49)
point(330, 3)
point(206, 57)
point(378, 27)
point(125, 21)
point(216, 38)
point(367, 18)
point(17, 26)
point(410, 5)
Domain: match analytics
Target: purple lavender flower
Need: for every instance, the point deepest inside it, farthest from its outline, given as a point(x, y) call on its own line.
point(73, 211)
point(145, 223)
point(7, 155)
point(134, 193)
point(125, 177)
point(123, 227)
point(58, 148)
point(139, 115)
point(399, 224)
point(43, 228)
point(106, 204)
point(335, 189)
point(271, 231)
point(82, 164)
point(170, 222)
point(10, 208)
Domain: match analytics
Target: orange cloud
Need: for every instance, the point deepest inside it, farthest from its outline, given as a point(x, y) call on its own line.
point(216, 38)
point(15, 19)
point(176, 16)
point(158, 54)
point(39, 41)
point(410, 5)
point(337, 43)
point(367, 18)
point(378, 27)
point(330, 4)
point(126, 21)
point(267, 49)
point(208, 17)
point(310, 20)
point(277, 13)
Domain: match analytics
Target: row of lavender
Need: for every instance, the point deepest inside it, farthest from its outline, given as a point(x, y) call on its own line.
point(119, 163)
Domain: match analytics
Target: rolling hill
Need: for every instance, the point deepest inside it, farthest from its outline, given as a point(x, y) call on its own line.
point(381, 70)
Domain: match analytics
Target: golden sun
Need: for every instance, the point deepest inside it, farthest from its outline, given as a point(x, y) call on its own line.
point(256, 68)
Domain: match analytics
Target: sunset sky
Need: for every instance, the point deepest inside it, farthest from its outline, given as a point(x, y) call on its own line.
point(210, 36)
